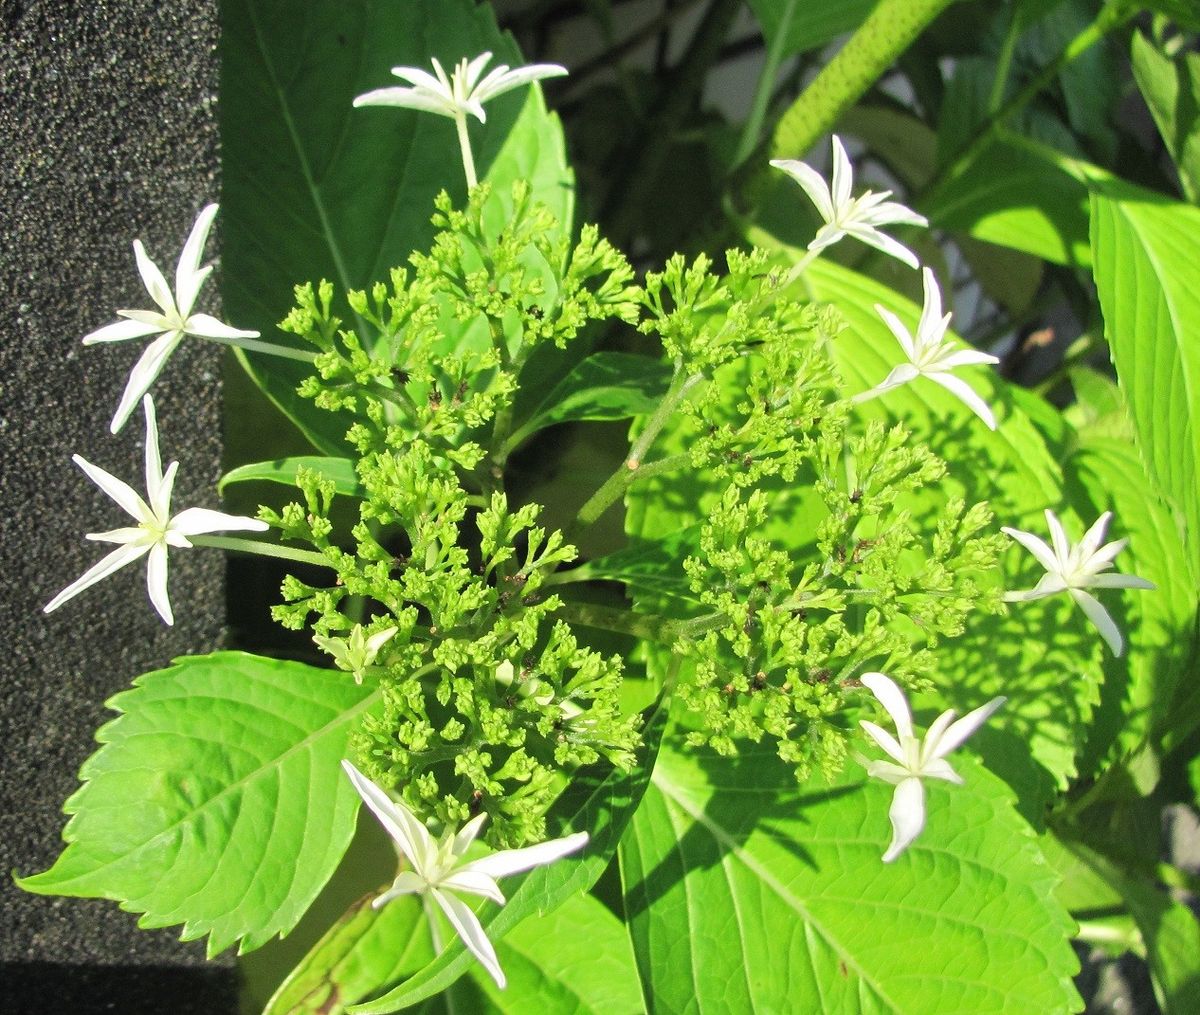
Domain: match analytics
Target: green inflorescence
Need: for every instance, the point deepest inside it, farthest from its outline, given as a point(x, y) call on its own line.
point(441, 595)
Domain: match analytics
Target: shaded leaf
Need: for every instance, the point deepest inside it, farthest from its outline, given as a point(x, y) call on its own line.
point(1171, 89)
point(242, 812)
point(605, 386)
point(808, 24)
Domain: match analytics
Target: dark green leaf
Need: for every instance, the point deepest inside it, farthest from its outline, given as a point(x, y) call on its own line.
point(217, 799)
point(284, 470)
point(606, 385)
point(314, 188)
point(747, 893)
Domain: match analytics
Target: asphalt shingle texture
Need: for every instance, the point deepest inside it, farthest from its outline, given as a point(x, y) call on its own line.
point(108, 131)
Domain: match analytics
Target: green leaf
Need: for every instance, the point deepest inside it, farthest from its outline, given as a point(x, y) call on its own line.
point(576, 959)
point(1145, 250)
point(598, 799)
point(745, 892)
point(605, 386)
point(314, 188)
point(366, 951)
point(284, 470)
point(808, 24)
point(1021, 194)
point(1169, 930)
point(217, 799)
point(1171, 89)
point(1182, 12)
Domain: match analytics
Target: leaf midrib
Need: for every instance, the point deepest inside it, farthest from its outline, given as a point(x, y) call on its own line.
point(730, 845)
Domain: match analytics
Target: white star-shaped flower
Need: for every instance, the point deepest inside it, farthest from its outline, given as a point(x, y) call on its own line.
point(914, 760)
point(931, 355)
point(155, 529)
point(459, 93)
point(358, 652)
point(1073, 569)
point(171, 321)
point(845, 215)
point(437, 869)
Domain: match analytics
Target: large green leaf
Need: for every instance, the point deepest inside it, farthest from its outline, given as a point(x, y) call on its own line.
point(1145, 252)
point(1021, 194)
point(746, 893)
point(217, 799)
point(314, 188)
point(809, 24)
point(1171, 88)
point(599, 800)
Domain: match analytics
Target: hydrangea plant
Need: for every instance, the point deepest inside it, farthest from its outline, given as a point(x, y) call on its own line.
point(668, 739)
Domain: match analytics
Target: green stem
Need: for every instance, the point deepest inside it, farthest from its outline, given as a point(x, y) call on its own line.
point(888, 30)
point(270, 348)
point(766, 84)
point(261, 549)
point(1004, 64)
point(675, 394)
point(464, 143)
point(615, 486)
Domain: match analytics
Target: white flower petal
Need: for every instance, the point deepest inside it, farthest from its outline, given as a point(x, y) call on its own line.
point(117, 489)
point(931, 323)
point(406, 883)
point(127, 534)
point(154, 473)
point(423, 80)
point(957, 732)
point(881, 241)
point(113, 562)
point(122, 331)
point(961, 390)
point(410, 835)
point(813, 184)
point(907, 815)
point(1094, 536)
point(468, 927)
point(156, 581)
point(899, 330)
point(955, 358)
point(892, 699)
point(1058, 538)
point(153, 279)
point(1035, 545)
point(940, 768)
point(893, 213)
point(143, 375)
point(469, 832)
point(474, 883)
point(513, 861)
point(160, 503)
point(209, 327)
point(1119, 581)
point(188, 274)
point(1099, 616)
point(516, 78)
point(842, 176)
point(899, 375)
point(408, 98)
point(888, 772)
point(936, 731)
point(197, 521)
point(884, 739)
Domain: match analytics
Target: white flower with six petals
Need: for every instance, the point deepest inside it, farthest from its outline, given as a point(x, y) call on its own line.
point(171, 321)
point(438, 872)
point(1073, 569)
point(845, 215)
point(455, 95)
point(912, 759)
point(930, 355)
point(155, 529)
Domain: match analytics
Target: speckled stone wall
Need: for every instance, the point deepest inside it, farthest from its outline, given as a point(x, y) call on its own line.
point(108, 132)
